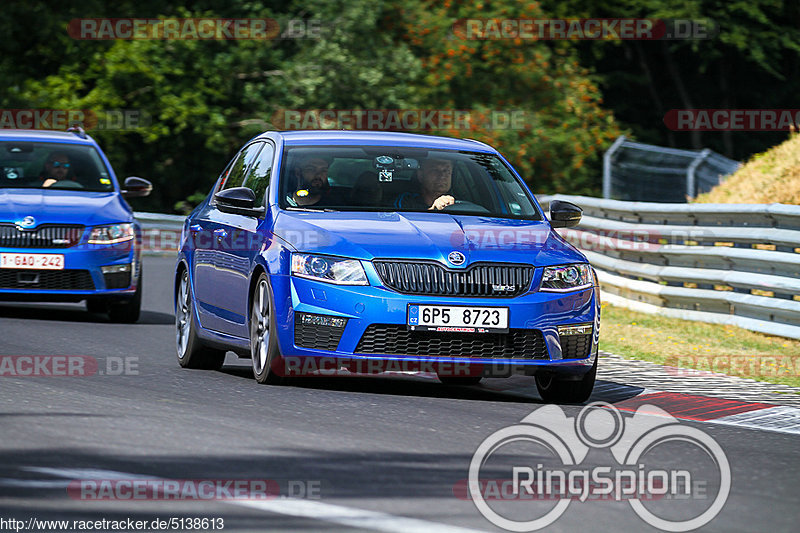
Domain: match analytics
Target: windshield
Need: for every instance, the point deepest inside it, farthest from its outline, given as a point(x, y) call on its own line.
point(390, 178)
point(41, 165)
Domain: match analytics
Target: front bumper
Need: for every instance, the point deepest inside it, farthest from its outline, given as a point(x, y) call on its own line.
point(364, 307)
point(82, 277)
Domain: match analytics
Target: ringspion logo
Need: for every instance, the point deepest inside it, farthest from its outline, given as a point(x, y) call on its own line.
point(540, 460)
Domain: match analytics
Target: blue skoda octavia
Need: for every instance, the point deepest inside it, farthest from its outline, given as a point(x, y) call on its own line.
point(325, 251)
point(66, 231)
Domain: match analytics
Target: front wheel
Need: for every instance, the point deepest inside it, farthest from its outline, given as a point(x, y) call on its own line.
point(191, 352)
point(126, 311)
point(554, 390)
point(264, 351)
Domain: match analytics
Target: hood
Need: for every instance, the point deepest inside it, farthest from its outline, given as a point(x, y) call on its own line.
point(63, 207)
point(432, 236)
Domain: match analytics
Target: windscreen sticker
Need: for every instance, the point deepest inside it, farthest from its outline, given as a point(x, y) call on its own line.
point(12, 173)
point(385, 175)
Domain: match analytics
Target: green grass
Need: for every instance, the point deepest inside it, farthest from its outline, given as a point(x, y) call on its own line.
point(697, 345)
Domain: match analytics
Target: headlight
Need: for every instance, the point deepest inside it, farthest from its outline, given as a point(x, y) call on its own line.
point(567, 278)
point(111, 234)
point(330, 269)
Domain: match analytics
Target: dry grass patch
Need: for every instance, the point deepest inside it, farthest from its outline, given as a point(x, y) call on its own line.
point(718, 348)
point(773, 176)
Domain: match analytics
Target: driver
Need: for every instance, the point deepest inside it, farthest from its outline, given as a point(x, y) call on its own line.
point(311, 178)
point(56, 168)
point(435, 178)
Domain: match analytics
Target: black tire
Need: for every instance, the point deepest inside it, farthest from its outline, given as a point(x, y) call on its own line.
point(455, 380)
point(264, 352)
point(127, 311)
point(554, 390)
point(190, 349)
point(98, 306)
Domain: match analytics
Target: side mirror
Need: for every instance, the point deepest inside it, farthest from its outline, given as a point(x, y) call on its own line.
point(136, 187)
point(238, 200)
point(564, 214)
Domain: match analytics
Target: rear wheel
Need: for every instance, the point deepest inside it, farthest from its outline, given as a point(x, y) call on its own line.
point(191, 352)
point(554, 390)
point(264, 351)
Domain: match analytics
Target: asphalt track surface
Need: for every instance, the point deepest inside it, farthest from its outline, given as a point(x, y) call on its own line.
point(355, 453)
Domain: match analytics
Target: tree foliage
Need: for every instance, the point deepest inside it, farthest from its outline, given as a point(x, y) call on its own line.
point(204, 99)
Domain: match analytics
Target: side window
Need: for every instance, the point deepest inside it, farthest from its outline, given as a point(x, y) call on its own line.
point(239, 166)
point(259, 174)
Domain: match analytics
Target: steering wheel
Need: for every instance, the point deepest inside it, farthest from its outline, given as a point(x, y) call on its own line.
point(66, 184)
point(463, 205)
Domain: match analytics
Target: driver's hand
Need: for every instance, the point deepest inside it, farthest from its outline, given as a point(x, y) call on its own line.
point(48, 182)
point(442, 202)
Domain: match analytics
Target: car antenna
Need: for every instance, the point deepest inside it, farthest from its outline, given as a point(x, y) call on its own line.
point(77, 130)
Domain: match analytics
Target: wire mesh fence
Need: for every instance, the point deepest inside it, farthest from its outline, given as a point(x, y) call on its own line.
point(648, 173)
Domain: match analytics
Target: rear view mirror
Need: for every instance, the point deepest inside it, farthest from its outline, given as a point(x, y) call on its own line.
point(136, 187)
point(564, 214)
point(238, 200)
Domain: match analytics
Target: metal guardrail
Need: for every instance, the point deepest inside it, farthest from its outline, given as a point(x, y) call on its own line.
point(723, 263)
point(720, 263)
point(160, 232)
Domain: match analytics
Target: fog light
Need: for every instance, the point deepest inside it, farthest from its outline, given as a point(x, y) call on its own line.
point(112, 269)
point(322, 320)
point(578, 329)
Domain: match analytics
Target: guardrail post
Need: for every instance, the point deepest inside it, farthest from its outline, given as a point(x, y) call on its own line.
point(607, 165)
point(690, 178)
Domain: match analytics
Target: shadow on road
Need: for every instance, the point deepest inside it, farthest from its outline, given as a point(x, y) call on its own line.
point(74, 313)
point(514, 389)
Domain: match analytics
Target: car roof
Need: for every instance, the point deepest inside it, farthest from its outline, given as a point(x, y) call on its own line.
point(44, 136)
point(378, 138)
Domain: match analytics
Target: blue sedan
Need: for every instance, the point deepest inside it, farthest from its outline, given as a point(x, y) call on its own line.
point(322, 252)
point(66, 231)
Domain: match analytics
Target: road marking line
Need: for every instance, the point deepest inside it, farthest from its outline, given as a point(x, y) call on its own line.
point(327, 512)
point(350, 516)
point(34, 483)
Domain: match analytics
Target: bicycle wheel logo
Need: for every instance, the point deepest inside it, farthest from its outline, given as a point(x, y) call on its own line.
point(637, 443)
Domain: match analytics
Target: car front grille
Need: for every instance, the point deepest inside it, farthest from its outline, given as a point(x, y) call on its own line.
point(575, 346)
point(12, 278)
point(493, 280)
point(42, 237)
point(392, 339)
